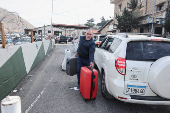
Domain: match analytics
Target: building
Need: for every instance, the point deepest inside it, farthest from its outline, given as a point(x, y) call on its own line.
point(61, 29)
point(46, 30)
point(107, 28)
point(145, 10)
point(95, 32)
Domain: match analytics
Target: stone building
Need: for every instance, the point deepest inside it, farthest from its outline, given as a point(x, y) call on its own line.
point(107, 28)
point(145, 10)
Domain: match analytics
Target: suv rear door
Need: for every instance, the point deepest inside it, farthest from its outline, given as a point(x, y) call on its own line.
point(140, 55)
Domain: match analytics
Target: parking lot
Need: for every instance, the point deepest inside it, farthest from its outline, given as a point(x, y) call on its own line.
point(46, 90)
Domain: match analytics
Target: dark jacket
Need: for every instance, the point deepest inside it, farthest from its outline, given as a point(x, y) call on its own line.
point(86, 48)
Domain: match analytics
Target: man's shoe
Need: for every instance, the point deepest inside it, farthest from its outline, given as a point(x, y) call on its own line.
point(75, 88)
point(78, 87)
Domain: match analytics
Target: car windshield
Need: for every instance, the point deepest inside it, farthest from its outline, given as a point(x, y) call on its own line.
point(13, 35)
point(147, 50)
point(101, 38)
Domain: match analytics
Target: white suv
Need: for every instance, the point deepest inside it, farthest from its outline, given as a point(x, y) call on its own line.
point(98, 39)
point(135, 68)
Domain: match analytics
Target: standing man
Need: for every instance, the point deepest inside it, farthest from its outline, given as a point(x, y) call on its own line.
point(85, 52)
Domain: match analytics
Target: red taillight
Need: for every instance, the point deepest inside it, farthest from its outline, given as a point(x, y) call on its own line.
point(79, 40)
point(98, 43)
point(156, 39)
point(120, 64)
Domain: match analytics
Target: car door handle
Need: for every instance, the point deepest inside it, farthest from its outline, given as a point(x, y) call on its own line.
point(133, 70)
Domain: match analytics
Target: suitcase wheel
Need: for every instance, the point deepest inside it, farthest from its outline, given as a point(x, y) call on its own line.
point(85, 100)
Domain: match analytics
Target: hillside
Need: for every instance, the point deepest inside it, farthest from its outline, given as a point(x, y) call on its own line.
point(13, 23)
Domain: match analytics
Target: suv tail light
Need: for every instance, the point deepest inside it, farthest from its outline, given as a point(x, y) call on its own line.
point(98, 43)
point(120, 64)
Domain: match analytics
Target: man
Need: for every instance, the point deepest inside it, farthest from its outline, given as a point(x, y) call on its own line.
point(85, 52)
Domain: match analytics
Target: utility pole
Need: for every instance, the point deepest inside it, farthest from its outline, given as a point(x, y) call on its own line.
point(153, 17)
point(51, 19)
point(31, 36)
point(3, 35)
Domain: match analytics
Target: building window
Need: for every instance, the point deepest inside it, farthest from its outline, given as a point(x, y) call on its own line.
point(160, 7)
point(140, 0)
point(120, 7)
point(49, 31)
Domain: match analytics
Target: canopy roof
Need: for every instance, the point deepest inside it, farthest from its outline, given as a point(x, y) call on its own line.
point(70, 26)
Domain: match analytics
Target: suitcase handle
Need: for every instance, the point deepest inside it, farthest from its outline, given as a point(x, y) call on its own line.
point(89, 67)
point(93, 86)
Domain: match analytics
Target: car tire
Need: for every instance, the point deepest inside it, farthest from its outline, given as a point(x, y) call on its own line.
point(104, 91)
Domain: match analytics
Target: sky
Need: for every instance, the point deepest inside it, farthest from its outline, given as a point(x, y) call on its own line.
point(71, 12)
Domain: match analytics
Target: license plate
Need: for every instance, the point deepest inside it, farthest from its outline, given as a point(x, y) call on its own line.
point(133, 89)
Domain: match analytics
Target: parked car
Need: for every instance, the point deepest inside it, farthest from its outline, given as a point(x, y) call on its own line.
point(15, 40)
point(23, 41)
point(56, 39)
point(1, 40)
point(9, 40)
point(62, 39)
point(98, 39)
point(74, 39)
point(38, 38)
point(70, 39)
point(77, 39)
point(135, 68)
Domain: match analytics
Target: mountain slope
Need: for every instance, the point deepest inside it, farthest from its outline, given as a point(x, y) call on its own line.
point(13, 23)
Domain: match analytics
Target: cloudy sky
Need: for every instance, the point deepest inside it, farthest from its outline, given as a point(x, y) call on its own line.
point(38, 12)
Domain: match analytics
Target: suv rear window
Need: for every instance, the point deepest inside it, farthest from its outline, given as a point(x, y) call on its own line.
point(147, 50)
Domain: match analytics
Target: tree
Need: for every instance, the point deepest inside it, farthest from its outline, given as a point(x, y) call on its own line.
point(103, 21)
point(167, 25)
point(90, 23)
point(167, 19)
point(129, 19)
point(132, 5)
point(124, 21)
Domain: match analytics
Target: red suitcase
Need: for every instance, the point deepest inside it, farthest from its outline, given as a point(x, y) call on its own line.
point(88, 83)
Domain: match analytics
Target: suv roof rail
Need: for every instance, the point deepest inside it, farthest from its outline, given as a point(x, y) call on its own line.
point(125, 35)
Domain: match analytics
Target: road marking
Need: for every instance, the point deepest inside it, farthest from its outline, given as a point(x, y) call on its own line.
point(38, 96)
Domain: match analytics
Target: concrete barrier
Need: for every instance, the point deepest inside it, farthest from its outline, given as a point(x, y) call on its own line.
point(17, 61)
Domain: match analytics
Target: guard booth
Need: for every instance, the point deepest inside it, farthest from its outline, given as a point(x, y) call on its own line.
point(57, 33)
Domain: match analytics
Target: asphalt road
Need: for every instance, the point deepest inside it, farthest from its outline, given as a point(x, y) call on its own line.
point(46, 90)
